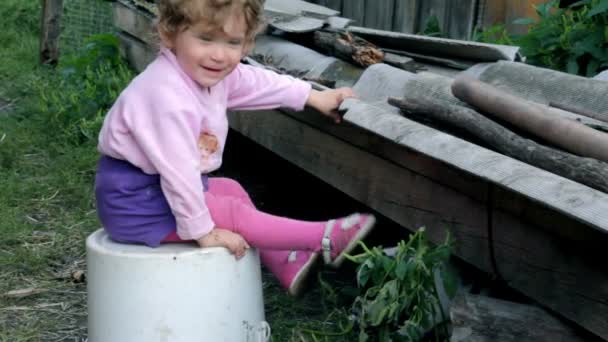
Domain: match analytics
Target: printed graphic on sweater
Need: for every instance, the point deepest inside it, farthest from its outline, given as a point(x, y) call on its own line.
point(207, 145)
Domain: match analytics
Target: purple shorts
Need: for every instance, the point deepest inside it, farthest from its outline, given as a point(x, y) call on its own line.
point(130, 203)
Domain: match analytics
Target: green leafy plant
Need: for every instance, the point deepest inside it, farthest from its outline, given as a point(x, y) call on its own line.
point(432, 28)
point(572, 39)
point(496, 34)
point(74, 102)
point(403, 296)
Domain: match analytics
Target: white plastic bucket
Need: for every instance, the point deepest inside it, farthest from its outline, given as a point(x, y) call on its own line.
point(172, 293)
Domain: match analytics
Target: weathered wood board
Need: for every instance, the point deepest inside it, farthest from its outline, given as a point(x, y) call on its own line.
point(406, 16)
point(430, 9)
point(461, 20)
point(539, 252)
point(402, 195)
point(563, 273)
point(354, 9)
point(137, 23)
point(480, 318)
point(379, 14)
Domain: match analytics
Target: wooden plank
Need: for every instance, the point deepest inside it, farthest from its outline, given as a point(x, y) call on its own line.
point(406, 158)
point(50, 31)
point(558, 263)
point(565, 272)
point(135, 22)
point(461, 19)
point(493, 12)
point(481, 318)
point(406, 16)
point(446, 175)
point(587, 205)
point(354, 9)
point(532, 259)
point(379, 14)
point(402, 62)
point(408, 198)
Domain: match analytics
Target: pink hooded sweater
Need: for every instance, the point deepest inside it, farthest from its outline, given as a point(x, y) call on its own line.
point(166, 124)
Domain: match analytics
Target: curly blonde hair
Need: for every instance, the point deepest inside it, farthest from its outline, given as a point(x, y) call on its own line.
point(176, 15)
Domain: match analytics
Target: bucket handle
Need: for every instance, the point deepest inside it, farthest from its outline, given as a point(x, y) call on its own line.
point(258, 333)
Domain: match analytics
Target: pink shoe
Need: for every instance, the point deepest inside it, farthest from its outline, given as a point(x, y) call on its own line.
point(341, 236)
point(299, 264)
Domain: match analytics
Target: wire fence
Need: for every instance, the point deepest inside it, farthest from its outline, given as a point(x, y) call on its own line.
point(83, 18)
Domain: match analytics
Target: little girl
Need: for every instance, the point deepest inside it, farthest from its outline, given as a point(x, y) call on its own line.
point(167, 131)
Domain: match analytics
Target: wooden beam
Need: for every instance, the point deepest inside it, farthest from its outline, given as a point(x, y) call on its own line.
point(550, 257)
point(565, 196)
point(50, 31)
point(480, 318)
point(135, 22)
point(562, 268)
point(377, 145)
point(409, 199)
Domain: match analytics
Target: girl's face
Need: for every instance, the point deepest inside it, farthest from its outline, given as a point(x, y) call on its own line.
point(207, 56)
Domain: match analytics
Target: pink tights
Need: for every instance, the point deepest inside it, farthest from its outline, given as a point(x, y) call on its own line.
point(231, 208)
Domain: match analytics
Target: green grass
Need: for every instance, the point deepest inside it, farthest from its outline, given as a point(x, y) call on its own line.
point(46, 207)
point(47, 210)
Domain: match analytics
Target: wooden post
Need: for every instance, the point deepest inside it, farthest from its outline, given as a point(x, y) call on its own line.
point(50, 30)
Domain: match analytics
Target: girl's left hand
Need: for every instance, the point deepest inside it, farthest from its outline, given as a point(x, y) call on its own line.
point(328, 101)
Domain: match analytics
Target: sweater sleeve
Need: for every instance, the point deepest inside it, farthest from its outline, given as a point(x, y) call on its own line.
point(167, 138)
point(252, 88)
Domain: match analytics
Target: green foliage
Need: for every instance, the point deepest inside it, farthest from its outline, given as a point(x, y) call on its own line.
point(24, 14)
point(73, 103)
point(574, 39)
point(400, 300)
point(496, 34)
point(432, 28)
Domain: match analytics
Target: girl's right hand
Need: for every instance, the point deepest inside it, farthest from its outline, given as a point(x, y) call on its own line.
point(219, 237)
